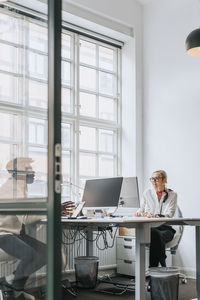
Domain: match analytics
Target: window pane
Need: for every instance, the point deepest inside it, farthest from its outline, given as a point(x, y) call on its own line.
point(106, 83)
point(87, 53)
point(9, 28)
point(107, 109)
point(87, 138)
point(87, 164)
point(40, 160)
point(66, 46)
point(66, 135)
point(66, 165)
point(37, 131)
point(6, 153)
point(37, 65)
point(106, 140)
point(88, 105)
point(106, 166)
point(37, 37)
point(9, 88)
point(66, 72)
point(87, 78)
point(8, 58)
point(23, 168)
point(66, 100)
point(66, 188)
point(37, 94)
point(106, 58)
point(39, 187)
point(24, 177)
point(11, 126)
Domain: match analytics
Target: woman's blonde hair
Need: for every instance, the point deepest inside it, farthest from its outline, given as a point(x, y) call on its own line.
point(162, 173)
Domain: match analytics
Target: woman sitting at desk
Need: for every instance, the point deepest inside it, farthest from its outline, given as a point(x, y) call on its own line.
point(159, 202)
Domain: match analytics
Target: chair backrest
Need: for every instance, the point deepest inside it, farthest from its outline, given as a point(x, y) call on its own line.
point(173, 245)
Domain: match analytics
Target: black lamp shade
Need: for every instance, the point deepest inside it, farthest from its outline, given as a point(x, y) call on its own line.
point(192, 43)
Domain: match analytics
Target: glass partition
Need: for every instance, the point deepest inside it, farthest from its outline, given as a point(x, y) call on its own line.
point(23, 106)
point(23, 153)
point(23, 256)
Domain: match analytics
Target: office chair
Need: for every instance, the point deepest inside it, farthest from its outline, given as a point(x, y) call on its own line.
point(172, 246)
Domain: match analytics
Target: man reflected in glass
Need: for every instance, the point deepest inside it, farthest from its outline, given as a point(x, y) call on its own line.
point(14, 241)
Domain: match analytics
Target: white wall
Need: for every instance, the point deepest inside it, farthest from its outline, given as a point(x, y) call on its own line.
point(172, 107)
point(124, 11)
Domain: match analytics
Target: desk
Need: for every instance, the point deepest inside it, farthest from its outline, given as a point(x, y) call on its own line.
point(143, 226)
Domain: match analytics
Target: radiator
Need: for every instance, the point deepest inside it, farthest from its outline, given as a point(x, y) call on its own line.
point(107, 257)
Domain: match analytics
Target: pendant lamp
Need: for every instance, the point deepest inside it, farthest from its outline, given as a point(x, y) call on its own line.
point(192, 43)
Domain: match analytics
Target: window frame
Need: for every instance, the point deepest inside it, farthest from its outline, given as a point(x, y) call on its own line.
point(74, 118)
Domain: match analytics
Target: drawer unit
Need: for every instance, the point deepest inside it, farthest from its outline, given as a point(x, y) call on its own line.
point(126, 252)
point(126, 248)
point(126, 240)
point(126, 255)
point(126, 267)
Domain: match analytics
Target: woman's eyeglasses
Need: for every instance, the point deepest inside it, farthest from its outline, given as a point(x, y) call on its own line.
point(152, 179)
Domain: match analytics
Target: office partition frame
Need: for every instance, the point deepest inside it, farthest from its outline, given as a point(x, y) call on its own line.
point(54, 151)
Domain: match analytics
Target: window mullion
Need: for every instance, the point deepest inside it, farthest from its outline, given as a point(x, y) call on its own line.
point(97, 81)
point(77, 111)
point(97, 152)
point(119, 113)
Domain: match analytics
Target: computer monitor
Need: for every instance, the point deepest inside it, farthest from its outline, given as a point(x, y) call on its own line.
point(129, 201)
point(102, 192)
point(129, 196)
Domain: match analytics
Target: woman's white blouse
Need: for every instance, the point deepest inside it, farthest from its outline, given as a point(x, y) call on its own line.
point(150, 203)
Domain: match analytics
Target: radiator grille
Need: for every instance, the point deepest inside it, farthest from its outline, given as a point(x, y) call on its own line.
point(106, 257)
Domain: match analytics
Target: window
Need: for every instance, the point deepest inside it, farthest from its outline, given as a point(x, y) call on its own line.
point(90, 103)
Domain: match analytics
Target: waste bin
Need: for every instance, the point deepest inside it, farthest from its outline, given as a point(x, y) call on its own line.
point(164, 283)
point(86, 271)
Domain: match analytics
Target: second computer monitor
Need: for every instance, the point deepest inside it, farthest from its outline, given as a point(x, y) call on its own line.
point(129, 196)
point(102, 192)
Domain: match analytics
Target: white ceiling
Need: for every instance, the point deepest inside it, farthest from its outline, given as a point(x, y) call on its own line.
point(144, 1)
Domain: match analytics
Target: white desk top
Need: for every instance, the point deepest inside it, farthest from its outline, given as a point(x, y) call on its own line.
point(123, 221)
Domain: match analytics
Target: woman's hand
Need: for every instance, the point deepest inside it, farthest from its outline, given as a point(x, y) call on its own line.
point(149, 215)
point(137, 214)
point(146, 214)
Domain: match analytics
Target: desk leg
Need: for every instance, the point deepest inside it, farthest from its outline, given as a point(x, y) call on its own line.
point(198, 261)
point(89, 245)
point(142, 238)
